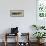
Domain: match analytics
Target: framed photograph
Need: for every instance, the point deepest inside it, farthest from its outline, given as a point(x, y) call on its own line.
point(41, 8)
point(17, 13)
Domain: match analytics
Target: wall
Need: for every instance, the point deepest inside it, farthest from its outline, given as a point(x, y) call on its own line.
point(24, 23)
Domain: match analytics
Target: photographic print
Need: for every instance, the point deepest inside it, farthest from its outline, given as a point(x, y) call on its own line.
point(17, 13)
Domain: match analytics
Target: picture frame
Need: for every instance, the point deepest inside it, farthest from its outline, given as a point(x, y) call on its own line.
point(41, 9)
point(17, 13)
